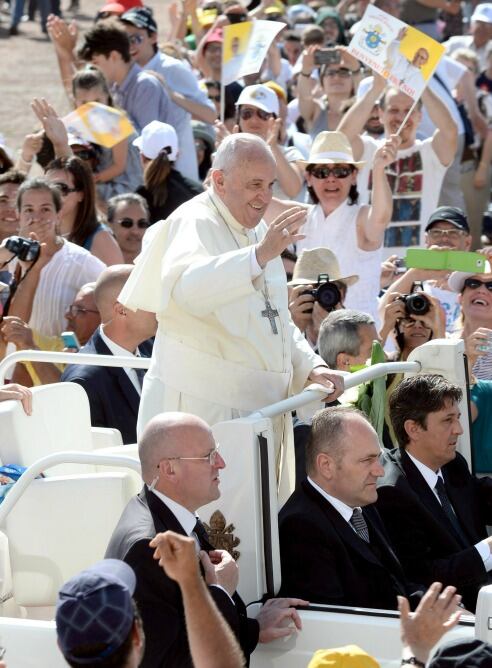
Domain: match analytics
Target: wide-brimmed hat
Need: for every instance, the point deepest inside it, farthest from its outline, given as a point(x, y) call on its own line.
point(331, 148)
point(311, 263)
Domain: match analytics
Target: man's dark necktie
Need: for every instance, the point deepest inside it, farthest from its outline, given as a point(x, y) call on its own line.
point(202, 536)
point(358, 522)
point(140, 376)
point(450, 514)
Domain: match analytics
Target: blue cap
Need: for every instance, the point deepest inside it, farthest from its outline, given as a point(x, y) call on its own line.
point(95, 607)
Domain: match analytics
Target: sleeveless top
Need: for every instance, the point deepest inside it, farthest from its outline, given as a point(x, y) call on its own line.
point(338, 232)
point(101, 227)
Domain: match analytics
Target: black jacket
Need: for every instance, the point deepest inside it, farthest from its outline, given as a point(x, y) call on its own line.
point(179, 190)
point(113, 399)
point(422, 534)
point(158, 597)
point(324, 561)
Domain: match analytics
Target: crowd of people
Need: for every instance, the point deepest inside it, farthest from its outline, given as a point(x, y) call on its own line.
point(252, 239)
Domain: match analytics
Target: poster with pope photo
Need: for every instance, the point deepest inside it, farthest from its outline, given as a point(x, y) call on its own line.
point(245, 47)
point(398, 52)
point(99, 124)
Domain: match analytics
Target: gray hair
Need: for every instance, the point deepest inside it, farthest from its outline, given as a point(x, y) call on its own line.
point(241, 146)
point(339, 333)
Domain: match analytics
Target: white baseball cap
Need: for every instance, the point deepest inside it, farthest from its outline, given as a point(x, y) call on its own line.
point(259, 96)
point(157, 137)
point(483, 13)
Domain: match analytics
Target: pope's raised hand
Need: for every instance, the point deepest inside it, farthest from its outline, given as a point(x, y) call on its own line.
point(282, 232)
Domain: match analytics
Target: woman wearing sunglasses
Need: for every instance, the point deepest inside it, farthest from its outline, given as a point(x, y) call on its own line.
point(164, 188)
point(475, 323)
point(323, 102)
point(79, 222)
point(353, 232)
point(258, 112)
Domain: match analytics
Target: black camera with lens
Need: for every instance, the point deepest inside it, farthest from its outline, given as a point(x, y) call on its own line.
point(24, 249)
point(325, 293)
point(416, 303)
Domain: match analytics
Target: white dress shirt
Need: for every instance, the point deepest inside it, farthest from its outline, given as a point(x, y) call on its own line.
point(345, 511)
point(122, 352)
point(431, 478)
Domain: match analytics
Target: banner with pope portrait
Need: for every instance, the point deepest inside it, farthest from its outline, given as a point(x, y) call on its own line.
point(99, 124)
point(400, 53)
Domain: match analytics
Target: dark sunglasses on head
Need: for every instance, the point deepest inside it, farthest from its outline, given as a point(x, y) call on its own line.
point(324, 171)
point(474, 283)
point(127, 223)
point(64, 189)
point(246, 114)
point(85, 154)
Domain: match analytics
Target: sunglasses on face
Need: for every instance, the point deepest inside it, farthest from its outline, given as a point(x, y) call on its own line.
point(136, 39)
point(343, 72)
point(474, 284)
point(74, 311)
point(128, 223)
point(215, 98)
point(64, 189)
point(246, 114)
point(324, 171)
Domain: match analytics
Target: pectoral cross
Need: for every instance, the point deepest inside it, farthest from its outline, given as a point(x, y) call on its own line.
point(271, 314)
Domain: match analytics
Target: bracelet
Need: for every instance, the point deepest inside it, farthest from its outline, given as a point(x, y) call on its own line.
point(413, 661)
point(303, 74)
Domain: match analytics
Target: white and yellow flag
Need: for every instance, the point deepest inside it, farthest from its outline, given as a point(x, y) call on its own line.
point(245, 47)
point(99, 124)
point(398, 52)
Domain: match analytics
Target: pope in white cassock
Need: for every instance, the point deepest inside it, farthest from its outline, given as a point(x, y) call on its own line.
point(212, 273)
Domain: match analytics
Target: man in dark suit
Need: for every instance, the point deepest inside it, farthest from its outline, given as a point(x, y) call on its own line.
point(181, 466)
point(114, 393)
point(328, 526)
point(433, 508)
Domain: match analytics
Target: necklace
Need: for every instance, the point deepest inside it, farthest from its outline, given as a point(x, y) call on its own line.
point(269, 312)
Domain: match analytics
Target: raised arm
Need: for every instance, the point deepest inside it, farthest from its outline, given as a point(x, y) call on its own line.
point(375, 219)
point(352, 123)
point(445, 140)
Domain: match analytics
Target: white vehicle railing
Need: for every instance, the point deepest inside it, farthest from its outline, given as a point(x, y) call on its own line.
point(45, 463)
point(69, 358)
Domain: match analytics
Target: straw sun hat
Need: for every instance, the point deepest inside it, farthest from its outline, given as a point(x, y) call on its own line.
point(312, 263)
point(331, 148)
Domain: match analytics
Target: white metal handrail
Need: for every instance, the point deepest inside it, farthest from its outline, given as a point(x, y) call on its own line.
point(70, 457)
point(350, 380)
point(69, 358)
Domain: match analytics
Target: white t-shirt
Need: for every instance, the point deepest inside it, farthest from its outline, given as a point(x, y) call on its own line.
point(415, 179)
point(60, 280)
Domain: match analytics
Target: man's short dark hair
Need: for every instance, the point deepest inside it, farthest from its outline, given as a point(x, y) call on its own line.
point(416, 397)
point(328, 434)
point(14, 176)
point(39, 184)
point(105, 37)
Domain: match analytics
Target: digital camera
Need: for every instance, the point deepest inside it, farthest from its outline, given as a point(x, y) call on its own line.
point(24, 249)
point(416, 303)
point(325, 293)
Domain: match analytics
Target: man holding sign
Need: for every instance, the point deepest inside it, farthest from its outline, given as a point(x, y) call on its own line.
point(402, 63)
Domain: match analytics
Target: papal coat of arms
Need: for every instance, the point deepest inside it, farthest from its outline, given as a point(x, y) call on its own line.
point(221, 535)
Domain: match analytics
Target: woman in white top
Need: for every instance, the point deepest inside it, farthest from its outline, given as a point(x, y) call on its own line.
point(46, 287)
point(353, 232)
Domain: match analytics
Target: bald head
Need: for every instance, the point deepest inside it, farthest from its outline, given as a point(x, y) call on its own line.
point(108, 287)
point(169, 435)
